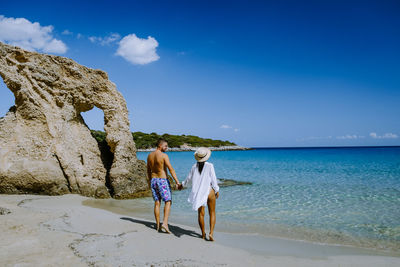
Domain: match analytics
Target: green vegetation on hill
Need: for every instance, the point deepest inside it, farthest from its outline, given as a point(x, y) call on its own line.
point(99, 136)
point(144, 140)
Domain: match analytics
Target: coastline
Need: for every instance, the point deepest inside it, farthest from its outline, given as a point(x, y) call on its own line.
point(140, 208)
point(189, 148)
point(41, 230)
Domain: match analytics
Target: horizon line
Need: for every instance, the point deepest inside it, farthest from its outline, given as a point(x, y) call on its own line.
point(319, 147)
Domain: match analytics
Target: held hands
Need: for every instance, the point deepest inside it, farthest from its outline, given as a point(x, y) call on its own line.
point(178, 186)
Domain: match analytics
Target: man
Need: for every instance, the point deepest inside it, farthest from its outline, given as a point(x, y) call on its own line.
point(157, 165)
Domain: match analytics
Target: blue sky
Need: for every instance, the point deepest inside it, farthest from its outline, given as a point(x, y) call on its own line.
point(259, 73)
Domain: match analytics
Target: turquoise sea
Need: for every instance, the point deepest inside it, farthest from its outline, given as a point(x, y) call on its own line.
point(347, 196)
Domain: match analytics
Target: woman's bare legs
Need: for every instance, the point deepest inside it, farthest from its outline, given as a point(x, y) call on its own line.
point(201, 212)
point(211, 211)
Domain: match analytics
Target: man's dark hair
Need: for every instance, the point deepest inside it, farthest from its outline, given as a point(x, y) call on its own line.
point(160, 141)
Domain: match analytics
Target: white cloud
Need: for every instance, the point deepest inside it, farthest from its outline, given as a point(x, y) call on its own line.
point(105, 40)
point(348, 136)
point(112, 37)
point(385, 136)
point(314, 138)
point(137, 50)
point(79, 36)
point(66, 32)
point(226, 126)
point(390, 136)
point(30, 36)
point(53, 46)
point(93, 39)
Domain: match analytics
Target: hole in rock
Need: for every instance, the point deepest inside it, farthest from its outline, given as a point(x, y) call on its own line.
point(94, 119)
point(7, 99)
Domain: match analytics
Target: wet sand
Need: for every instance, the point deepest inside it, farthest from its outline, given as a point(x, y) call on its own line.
point(60, 230)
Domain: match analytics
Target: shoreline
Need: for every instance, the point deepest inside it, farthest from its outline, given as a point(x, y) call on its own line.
point(42, 229)
point(189, 148)
point(140, 208)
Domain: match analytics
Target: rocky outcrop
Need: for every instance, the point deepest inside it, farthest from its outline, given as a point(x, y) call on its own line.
point(229, 182)
point(45, 145)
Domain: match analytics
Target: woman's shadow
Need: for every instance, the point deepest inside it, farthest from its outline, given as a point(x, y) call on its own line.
point(176, 230)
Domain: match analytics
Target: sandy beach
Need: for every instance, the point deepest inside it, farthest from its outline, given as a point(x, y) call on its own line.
point(61, 231)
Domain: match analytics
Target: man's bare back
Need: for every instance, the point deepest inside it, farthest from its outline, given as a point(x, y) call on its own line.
point(156, 164)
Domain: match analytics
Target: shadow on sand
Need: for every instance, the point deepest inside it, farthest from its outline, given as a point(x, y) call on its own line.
point(175, 230)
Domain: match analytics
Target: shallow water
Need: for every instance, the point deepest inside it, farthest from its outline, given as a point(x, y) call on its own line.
point(347, 196)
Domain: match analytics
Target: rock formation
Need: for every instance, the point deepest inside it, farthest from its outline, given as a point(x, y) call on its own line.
point(45, 145)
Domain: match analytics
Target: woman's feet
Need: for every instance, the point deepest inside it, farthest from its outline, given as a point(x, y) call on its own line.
point(165, 228)
point(210, 237)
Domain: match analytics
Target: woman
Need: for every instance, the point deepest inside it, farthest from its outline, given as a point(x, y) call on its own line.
point(205, 189)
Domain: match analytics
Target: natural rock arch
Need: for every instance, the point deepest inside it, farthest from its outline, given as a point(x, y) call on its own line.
point(45, 145)
point(7, 98)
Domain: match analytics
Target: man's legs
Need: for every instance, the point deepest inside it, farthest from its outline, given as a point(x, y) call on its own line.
point(211, 211)
point(201, 212)
point(157, 206)
point(167, 208)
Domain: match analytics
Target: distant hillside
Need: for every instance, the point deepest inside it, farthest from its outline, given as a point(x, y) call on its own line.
point(144, 140)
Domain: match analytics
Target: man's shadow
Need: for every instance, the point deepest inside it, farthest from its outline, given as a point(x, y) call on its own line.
point(176, 230)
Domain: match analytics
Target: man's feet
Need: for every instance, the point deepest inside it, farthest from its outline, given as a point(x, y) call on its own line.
point(203, 236)
point(158, 227)
point(165, 228)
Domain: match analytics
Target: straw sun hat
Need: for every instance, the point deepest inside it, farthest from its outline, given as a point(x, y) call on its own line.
point(202, 154)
